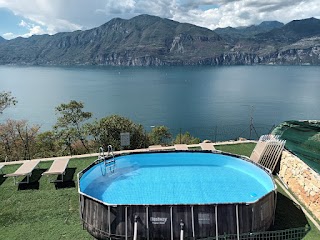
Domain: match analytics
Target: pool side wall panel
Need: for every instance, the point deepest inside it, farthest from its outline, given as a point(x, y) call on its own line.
point(154, 222)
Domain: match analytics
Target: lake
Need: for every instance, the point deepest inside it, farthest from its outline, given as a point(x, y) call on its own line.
point(202, 100)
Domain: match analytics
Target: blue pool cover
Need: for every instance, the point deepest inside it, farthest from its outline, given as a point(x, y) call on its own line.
point(176, 178)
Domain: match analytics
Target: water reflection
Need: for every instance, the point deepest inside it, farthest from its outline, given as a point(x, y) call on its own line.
point(178, 97)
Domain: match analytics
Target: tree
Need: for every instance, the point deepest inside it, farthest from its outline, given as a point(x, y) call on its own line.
point(107, 132)
point(6, 100)
point(47, 145)
point(186, 138)
point(27, 135)
point(69, 124)
point(159, 135)
point(17, 140)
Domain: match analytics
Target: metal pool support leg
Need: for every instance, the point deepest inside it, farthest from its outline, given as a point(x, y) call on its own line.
point(237, 218)
point(181, 230)
point(192, 221)
point(109, 217)
point(81, 203)
point(253, 219)
point(216, 218)
point(274, 207)
point(126, 222)
point(171, 224)
point(147, 220)
point(135, 228)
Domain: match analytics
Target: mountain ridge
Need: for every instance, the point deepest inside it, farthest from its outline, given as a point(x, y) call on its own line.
point(293, 31)
point(248, 31)
point(147, 40)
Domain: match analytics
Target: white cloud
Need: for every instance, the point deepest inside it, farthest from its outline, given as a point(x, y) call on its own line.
point(9, 35)
point(31, 29)
point(246, 12)
point(34, 30)
point(162, 8)
point(23, 24)
point(119, 7)
point(59, 15)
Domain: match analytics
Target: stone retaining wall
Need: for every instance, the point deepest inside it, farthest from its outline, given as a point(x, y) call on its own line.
point(303, 181)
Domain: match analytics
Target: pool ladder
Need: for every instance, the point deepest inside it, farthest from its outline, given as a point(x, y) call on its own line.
point(108, 162)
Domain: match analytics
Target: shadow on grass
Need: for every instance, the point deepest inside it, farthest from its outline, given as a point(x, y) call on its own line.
point(33, 180)
point(2, 179)
point(67, 179)
point(288, 214)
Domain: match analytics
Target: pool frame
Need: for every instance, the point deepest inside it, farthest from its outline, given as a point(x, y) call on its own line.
point(164, 221)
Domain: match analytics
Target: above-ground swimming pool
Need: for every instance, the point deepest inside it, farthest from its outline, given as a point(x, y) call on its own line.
point(209, 193)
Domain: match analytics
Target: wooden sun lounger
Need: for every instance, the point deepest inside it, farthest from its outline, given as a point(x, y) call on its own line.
point(24, 170)
point(1, 166)
point(58, 167)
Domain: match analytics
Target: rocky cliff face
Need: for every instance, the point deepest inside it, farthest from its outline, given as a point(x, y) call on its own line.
point(152, 41)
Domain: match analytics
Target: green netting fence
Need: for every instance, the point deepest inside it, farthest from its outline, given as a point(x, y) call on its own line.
point(292, 234)
point(285, 234)
point(303, 139)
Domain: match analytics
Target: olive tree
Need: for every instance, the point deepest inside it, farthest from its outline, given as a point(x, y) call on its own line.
point(186, 138)
point(6, 100)
point(69, 126)
point(106, 131)
point(159, 135)
point(48, 145)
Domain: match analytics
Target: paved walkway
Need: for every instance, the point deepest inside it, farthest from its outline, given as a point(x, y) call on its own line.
point(203, 146)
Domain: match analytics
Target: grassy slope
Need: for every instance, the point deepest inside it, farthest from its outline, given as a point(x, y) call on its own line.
point(289, 215)
point(50, 213)
point(44, 213)
point(244, 149)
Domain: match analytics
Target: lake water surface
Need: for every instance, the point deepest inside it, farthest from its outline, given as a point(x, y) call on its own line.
point(178, 97)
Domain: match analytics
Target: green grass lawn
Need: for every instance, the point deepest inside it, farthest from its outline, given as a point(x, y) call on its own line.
point(42, 211)
point(244, 149)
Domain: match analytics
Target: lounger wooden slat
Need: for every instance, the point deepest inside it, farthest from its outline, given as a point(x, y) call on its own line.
point(24, 170)
point(58, 167)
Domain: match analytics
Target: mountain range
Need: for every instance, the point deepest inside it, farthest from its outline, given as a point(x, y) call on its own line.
point(153, 41)
point(235, 34)
point(2, 39)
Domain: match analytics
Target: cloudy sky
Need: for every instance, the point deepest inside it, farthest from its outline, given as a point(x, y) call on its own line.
point(28, 17)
